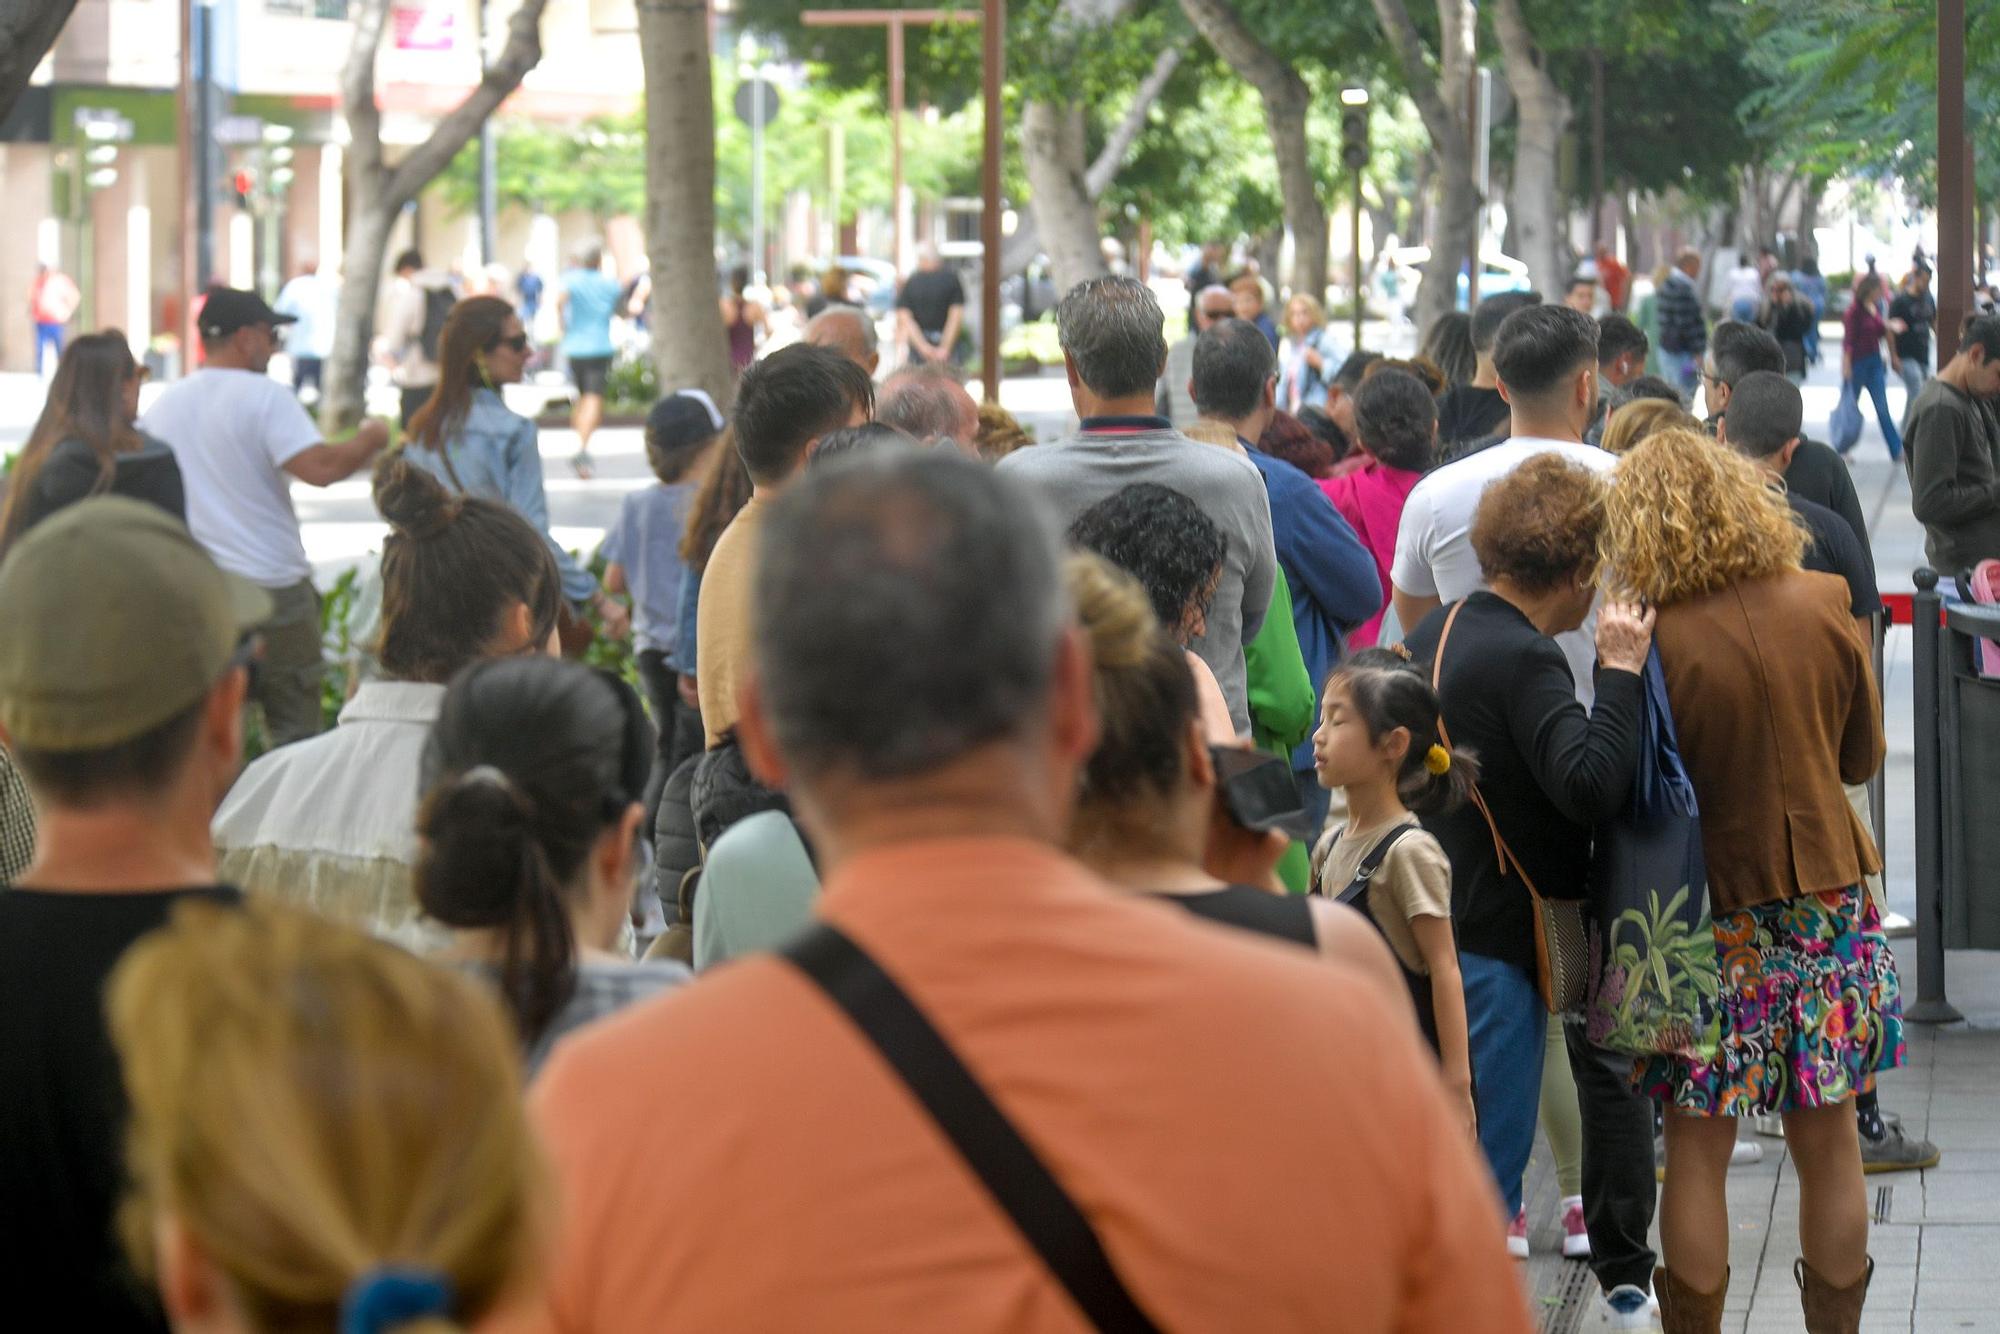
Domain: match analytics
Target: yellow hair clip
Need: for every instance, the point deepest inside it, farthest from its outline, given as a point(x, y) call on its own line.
point(1437, 760)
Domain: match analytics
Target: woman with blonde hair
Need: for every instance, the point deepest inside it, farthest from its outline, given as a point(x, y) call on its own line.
point(1307, 359)
point(1776, 708)
point(326, 1133)
point(1641, 419)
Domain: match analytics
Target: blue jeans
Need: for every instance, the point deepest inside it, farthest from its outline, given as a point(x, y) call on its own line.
point(1871, 374)
point(1506, 1023)
point(48, 347)
point(1686, 369)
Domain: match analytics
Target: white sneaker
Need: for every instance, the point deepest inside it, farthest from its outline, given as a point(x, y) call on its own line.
point(1746, 1151)
point(1517, 1235)
point(1629, 1307)
point(1576, 1237)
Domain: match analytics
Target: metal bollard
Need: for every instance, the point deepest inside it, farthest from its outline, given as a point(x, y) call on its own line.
point(1931, 1007)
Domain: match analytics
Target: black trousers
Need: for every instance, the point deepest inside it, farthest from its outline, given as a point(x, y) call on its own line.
point(680, 732)
point(1620, 1191)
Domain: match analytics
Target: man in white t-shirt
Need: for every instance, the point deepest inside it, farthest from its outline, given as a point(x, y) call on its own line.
point(240, 438)
point(1546, 360)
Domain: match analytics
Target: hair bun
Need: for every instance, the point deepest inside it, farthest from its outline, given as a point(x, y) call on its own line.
point(1114, 612)
point(477, 827)
point(414, 502)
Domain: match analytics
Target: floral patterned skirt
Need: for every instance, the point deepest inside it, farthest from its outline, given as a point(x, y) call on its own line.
point(1810, 1009)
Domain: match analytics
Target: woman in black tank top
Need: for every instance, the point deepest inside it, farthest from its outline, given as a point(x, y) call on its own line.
point(1148, 819)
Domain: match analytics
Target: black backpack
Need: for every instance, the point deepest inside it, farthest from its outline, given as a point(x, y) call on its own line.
point(438, 302)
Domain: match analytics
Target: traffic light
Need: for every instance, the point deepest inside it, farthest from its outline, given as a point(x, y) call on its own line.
point(244, 184)
point(1354, 137)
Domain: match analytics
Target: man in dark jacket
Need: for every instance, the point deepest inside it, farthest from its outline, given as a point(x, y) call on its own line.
point(1954, 454)
point(1683, 330)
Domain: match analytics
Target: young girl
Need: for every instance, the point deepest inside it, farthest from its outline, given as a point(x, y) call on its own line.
point(1378, 741)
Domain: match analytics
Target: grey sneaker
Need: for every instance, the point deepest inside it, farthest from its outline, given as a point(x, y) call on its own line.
point(1896, 1151)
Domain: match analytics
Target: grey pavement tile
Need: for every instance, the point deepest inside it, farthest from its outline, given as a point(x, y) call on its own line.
point(1956, 1322)
point(1961, 1250)
point(1963, 1132)
point(1955, 1294)
point(1962, 1197)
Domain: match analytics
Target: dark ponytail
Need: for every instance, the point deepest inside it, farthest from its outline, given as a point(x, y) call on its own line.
point(1388, 692)
point(453, 566)
point(530, 760)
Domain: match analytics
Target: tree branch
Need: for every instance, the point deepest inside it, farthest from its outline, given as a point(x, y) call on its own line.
point(1447, 136)
point(1112, 156)
point(521, 54)
point(28, 28)
point(357, 88)
point(1220, 26)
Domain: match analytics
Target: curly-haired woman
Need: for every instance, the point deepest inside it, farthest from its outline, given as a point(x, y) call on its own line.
point(1776, 708)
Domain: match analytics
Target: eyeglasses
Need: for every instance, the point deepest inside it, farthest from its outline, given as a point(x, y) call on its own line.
point(1218, 312)
point(249, 656)
point(518, 342)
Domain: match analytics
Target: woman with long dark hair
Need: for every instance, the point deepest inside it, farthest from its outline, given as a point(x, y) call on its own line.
point(534, 783)
point(85, 443)
point(1863, 352)
point(468, 437)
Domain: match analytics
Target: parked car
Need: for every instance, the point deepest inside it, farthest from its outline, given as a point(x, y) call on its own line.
point(1497, 272)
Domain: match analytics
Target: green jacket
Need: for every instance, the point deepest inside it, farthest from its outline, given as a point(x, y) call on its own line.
point(1283, 704)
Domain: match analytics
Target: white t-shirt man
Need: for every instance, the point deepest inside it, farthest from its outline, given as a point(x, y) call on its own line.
point(1434, 556)
point(233, 432)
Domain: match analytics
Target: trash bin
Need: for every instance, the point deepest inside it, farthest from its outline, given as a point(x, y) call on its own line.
point(1970, 727)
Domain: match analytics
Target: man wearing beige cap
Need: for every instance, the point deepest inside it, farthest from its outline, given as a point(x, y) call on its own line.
point(122, 678)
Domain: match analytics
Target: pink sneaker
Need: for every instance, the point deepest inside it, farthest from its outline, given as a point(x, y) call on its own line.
point(1576, 1238)
point(1517, 1235)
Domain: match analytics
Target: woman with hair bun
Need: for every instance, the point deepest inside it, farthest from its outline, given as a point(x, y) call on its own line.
point(330, 823)
point(326, 1134)
point(534, 785)
point(1149, 817)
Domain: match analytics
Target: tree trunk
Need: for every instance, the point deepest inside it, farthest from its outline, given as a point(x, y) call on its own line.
point(1441, 100)
point(1020, 249)
point(1543, 115)
point(691, 349)
point(1065, 214)
point(1286, 100)
point(1809, 201)
point(28, 28)
point(377, 192)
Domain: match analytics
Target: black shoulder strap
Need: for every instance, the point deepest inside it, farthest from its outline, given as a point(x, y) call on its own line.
point(1373, 863)
point(1012, 1172)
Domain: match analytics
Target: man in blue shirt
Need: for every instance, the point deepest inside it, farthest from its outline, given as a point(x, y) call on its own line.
point(1332, 577)
point(310, 300)
point(586, 303)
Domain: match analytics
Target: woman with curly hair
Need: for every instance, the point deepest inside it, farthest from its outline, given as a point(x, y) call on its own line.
point(1549, 772)
point(1775, 704)
point(1641, 419)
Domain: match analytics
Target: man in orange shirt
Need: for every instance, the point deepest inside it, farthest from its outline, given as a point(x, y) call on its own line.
point(1247, 1136)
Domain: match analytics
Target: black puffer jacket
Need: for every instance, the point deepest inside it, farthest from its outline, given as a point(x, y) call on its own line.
point(676, 851)
point(725, 791)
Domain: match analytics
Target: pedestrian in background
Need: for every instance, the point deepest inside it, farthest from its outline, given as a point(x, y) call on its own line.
point(1868, 341)
point(311, 299)
point(52, 303)
point(585, 303)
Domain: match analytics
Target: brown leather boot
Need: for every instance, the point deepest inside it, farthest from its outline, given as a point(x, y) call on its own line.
point(1831, 1310)
point(1685, 1311)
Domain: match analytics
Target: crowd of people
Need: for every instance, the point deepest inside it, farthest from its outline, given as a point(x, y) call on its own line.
point(1142, 858)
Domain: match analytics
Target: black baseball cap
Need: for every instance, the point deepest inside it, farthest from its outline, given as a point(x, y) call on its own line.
point(224, 310)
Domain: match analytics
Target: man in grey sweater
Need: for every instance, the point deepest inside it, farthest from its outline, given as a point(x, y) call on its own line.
point(1954, 454)
point(1114, 347)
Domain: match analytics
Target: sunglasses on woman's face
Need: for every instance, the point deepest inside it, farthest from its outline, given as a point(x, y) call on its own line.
point(519, 342)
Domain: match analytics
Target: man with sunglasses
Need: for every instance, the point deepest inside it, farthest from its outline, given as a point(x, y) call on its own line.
point(121, 698)
point(241, 438)
point(1212, 305)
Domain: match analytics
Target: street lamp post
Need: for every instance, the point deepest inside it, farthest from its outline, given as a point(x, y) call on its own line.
point(1354, 154)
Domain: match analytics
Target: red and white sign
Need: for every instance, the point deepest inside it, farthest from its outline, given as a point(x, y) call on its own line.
point(426, 27)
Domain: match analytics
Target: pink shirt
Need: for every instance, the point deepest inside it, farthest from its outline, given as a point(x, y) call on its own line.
point(1371, 500)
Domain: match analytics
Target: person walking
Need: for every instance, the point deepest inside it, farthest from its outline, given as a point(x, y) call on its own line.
point(241, 438)
point(312, 301)
point(1682, 335)
point(122, 683)
point(469, 439)
point(85, 443)
point(586, 299)
point(420, 301)
point(936, 767)
point(1789, 317)
point(326, 1133)
point(1114, 348)
point(1861, 357)
point(52, 304)
point(1775, 708)
point(329, 824)
point(1912, 315)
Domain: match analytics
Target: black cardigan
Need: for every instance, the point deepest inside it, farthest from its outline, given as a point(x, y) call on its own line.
point(1548, 770)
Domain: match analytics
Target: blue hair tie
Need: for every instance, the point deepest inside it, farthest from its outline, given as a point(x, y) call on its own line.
point(388, 1296)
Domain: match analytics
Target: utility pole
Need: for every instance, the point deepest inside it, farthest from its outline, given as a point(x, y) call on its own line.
point(1596, 148)
point(205, 173)
point(1955, 181)
point(185, 142)
point(993, 64)
point(489, 152)
point(895, 20)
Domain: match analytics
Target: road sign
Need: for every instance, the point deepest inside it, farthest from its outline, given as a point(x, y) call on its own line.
point(746, 110)
point(237, 131)
point(103, 125)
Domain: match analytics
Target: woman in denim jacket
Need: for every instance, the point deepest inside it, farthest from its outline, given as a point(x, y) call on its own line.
point(468, 437)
